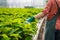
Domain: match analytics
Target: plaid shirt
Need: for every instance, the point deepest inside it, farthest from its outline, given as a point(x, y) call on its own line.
point(51, 10)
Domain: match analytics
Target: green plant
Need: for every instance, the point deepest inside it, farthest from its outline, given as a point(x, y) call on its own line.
point(12, 26)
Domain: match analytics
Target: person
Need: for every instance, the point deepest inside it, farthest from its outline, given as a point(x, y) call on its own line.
point(52, 11)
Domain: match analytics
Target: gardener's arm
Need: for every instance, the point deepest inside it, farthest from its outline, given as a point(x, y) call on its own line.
point(43, 13)
point(39, 15)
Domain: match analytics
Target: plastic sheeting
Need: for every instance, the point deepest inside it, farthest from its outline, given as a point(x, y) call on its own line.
point(22, 3)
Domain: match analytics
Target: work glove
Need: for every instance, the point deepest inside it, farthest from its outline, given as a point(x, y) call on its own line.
point(29, 20)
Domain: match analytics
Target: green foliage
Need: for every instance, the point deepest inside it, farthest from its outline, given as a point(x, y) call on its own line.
point(12, 23)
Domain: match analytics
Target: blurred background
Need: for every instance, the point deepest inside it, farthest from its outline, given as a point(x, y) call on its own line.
point(22, 3)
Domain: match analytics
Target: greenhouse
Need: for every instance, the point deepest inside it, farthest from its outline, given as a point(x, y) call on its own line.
point(29, 20)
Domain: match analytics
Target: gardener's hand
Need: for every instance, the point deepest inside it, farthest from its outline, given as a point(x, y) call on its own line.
point(30, 20)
